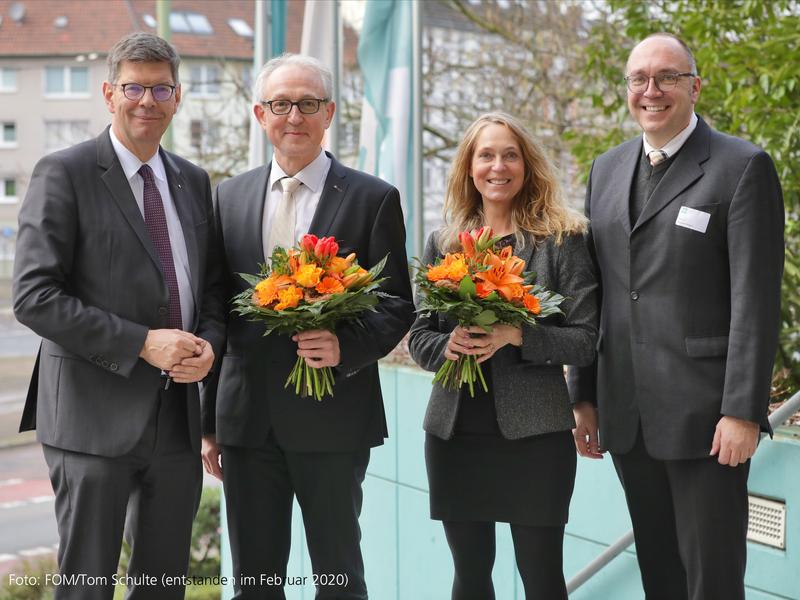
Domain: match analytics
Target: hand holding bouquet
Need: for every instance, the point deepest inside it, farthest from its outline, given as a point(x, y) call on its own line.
point(481, 286)
point(309, 287)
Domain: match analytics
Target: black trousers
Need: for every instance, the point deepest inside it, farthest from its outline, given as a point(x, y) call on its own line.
point(151, 494)
point(538, 551)
point(689, 523)
point(260, 484)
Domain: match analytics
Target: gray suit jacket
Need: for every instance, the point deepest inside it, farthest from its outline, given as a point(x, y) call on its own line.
point(87, 279)
point(530, 392)
point(689, 320)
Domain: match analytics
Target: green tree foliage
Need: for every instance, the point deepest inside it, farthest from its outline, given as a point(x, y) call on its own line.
point(747, 57)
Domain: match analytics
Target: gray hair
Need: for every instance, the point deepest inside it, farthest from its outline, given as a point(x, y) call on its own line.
point(141, 46)
point(299, 61)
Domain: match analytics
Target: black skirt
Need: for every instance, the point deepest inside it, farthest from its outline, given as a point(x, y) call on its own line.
point(480, 476)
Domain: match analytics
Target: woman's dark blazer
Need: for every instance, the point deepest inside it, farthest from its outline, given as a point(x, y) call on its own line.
point(530, 392)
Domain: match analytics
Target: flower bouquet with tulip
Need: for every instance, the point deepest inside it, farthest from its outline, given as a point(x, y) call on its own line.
point(480, 286)
point(309, 287)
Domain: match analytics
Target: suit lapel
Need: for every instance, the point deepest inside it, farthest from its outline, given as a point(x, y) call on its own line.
point(255, 196)
point(623, 180)
point(117, 184)
point(183, 200)
point(333, 194)
point(684, 171)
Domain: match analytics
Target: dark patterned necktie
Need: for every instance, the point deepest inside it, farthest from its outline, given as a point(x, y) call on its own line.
point(156, 222)
point(657, 157)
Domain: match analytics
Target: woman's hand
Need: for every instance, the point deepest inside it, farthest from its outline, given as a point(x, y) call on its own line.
point(585, 432)
point(482, 344)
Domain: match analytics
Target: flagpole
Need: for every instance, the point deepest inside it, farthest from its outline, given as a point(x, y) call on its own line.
point(337, 77)
point(416, 87)
point(259, 145)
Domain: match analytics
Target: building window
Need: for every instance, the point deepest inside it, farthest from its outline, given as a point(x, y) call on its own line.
point(9, 135)
point(204, 136)
point(8, 80)
point(205, 80)
point(241, 27)
point(8, 190)
point(187, 22)
point(63, 134)
point(66, 81)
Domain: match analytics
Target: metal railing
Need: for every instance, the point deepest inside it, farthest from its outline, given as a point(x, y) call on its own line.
point(786, 410)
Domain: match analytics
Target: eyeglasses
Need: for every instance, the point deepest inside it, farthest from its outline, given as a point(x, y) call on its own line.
point(161, 92)
point(307, 106)
point(664, 81)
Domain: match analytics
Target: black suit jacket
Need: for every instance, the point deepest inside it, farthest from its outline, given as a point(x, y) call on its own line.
point(248, 398)
point(689, 319)
point(87, 279)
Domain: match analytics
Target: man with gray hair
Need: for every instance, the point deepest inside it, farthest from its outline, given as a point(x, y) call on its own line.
point(275, 446)
point(113, 271)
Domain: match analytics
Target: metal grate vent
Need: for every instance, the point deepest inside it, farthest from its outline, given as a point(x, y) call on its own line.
point(767, 522)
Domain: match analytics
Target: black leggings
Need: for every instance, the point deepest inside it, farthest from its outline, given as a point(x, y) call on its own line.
point(538, 551)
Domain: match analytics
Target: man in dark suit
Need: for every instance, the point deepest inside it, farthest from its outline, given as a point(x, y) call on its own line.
point(687, 232)
point(112, 270)
point(276, 446)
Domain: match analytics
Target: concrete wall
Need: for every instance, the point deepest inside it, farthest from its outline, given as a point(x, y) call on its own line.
point(407, 558)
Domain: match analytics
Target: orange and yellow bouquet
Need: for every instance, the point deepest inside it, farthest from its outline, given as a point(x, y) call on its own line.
point(480, 286)
point(309, 287)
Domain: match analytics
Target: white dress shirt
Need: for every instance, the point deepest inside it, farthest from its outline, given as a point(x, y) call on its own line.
point(676, 143)
point(131, 165)
point(306, 196)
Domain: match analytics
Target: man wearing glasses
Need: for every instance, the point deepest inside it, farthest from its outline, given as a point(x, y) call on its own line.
point(112, 269)
point(687, 233)
point(274, 445)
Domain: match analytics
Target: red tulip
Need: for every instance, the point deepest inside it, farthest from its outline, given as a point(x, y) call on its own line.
point(308, 242)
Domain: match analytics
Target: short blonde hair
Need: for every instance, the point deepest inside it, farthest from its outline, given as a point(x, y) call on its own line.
point(539, 208)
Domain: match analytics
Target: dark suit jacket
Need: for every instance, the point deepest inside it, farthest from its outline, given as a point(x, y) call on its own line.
point(689, 320)
point(530, 392)
point(248, 399)
point(87, 279)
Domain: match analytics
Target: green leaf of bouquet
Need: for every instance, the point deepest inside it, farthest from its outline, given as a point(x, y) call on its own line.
point(485, 318)
point(378, 267)
point(466, 289)
point(251, 280)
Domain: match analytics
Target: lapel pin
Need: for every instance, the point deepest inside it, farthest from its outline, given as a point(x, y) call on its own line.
point(337, 188)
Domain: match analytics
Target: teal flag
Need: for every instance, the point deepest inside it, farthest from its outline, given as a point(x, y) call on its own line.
point(385, 58)
point(278, 27)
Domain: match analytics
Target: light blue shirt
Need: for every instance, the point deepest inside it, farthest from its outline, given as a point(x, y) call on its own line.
point(131, 165)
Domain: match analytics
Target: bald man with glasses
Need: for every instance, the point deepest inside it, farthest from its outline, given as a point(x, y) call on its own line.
point(687, 235)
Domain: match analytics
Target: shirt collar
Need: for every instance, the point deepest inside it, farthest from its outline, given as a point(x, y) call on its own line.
point(312, 175)
point(131, 163)
point(676, 143)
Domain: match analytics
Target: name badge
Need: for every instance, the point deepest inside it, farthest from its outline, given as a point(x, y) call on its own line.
point(693, 219)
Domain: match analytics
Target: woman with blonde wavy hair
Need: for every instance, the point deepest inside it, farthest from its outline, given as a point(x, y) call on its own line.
point(507, 455)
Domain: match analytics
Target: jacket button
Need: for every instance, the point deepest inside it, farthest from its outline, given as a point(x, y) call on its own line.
point(113, 366)
point(162, 310)
point(634, 295)
point(548, 362)
point(105, 364)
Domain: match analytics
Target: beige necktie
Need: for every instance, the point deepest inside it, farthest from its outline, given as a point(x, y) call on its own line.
point(283, 221)
point(656, 157)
